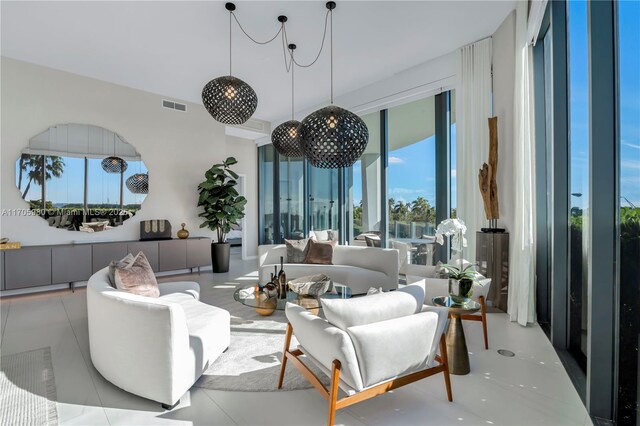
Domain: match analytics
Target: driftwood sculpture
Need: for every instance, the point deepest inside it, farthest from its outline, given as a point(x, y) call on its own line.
point(488, 173)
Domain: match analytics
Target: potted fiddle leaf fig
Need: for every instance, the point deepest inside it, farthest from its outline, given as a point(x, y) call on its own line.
point(222, 207)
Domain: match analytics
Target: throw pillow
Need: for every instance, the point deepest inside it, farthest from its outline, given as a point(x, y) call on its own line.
point(345, 313)
point(320, 253)
point(297, 250)
point(116, 264)
point(137, 278)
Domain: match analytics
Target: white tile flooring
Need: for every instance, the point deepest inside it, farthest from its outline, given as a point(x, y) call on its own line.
point(530, 389)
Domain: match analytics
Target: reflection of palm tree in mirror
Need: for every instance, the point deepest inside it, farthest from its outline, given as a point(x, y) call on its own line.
point(32, 167)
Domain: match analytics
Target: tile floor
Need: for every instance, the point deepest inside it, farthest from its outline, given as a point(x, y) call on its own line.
point(531, 388)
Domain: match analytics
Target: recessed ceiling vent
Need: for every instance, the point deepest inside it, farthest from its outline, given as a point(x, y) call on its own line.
point(174, 105)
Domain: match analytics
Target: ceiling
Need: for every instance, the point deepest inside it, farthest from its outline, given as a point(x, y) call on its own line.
point(174, 48)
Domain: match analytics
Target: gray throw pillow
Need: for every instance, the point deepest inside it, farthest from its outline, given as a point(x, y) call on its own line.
point(117, 264)
point(137, 278)
point(297, 250)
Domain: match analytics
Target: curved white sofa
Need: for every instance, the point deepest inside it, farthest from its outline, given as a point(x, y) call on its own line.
point(153, 347)
point(360, 268)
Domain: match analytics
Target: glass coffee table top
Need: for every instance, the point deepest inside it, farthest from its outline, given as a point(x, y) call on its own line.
point(248, 296)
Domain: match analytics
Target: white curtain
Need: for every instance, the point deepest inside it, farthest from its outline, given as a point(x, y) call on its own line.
point(522, 287)
point(473, 101)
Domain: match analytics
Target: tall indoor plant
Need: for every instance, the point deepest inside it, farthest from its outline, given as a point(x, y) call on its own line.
point(223, 207)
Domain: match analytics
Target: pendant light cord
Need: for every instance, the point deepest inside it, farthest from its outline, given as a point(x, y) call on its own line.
point(324, 36)
point(253, 39)
point(230, 14)
point(331, 49)
point(292, 88)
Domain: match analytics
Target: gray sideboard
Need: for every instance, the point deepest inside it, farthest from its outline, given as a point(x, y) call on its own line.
point(40, 266)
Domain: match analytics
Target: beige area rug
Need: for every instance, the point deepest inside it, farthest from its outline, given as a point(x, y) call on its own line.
point(28, 389)
point(252, 362)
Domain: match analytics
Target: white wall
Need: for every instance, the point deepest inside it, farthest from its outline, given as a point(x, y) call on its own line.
point(176, 147)
point(246, 153)
point(503, 87)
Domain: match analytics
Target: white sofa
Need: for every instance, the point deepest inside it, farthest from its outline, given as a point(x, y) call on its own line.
point(153, 347)
point(360, 268)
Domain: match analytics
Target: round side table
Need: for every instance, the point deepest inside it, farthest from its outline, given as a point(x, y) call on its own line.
point(457, 354)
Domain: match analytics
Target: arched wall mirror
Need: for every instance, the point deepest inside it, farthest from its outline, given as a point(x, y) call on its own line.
point(82, 178)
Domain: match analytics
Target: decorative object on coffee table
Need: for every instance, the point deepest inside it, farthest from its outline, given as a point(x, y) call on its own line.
point(311, 285)
point(487, 180)
point(457, 354)
point(183, 234)
point(263, 299)
point(222, 207)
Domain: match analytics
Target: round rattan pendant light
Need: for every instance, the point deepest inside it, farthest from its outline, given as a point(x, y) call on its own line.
point(332, 137)
point(138, 183)
point(285, 136)
point(228, 99)
point(114, 164)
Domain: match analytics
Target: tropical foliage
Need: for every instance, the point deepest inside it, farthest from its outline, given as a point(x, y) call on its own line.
point(31, 167)
point(221, 203)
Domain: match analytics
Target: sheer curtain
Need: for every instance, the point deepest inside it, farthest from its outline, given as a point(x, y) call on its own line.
point(522, 254)
point(473, 98)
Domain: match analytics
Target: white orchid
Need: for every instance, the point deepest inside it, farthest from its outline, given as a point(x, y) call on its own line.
point(455, 228)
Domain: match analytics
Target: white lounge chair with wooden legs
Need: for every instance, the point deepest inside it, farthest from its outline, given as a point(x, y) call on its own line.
point(368, 345)
point(434, 287)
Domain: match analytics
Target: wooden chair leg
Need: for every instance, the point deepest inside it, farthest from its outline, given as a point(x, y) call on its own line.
point(483, 312)
point(287, 342)
point(445, 361)
point(333, 392)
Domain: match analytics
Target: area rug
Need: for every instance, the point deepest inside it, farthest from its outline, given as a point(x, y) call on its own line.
point(28, 389)
point(252, 362)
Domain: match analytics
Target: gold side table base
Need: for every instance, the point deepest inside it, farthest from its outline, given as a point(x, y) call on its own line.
point(457, 354)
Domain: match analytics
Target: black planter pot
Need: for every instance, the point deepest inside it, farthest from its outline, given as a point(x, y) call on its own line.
point(220, 257)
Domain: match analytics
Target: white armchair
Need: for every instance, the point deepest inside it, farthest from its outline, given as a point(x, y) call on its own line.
point(368, 345)
point(425, 276)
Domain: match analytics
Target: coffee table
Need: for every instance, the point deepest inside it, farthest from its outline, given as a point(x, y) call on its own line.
point(457, 354)
point(264, 305)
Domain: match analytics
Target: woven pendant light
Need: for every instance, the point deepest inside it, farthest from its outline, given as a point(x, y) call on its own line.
point(228, 99)
point(138, 183)
point(332, 137)
point(285, 136)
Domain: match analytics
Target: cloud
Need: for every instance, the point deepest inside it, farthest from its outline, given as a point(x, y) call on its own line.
point(395, 160)
point(630, 164)
point(405, 191)
point(631, 145)
point(454, 173)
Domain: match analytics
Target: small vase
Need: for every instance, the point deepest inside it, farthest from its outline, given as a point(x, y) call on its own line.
point(183, 234)
point(460, 290)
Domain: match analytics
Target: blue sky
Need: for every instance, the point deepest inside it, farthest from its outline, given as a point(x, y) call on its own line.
point(629, 63)
point(103, 187)
point(412, 172)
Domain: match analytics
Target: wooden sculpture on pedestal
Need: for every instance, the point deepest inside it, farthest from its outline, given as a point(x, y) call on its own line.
point(487, 180)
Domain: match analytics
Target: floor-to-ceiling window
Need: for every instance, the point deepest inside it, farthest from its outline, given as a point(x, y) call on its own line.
point(364, 178)
point(323, 199)
point(578, 62)
point(629, 175)
point(266, 168)
point(291, 176)
point(411, 177)
point(398, 164)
